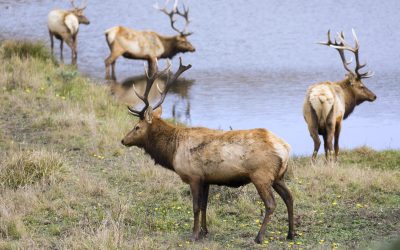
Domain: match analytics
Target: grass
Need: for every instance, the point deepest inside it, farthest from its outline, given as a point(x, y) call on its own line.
point(67, 183)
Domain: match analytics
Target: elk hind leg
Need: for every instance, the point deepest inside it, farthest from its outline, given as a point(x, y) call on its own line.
point(51, 42)
point(265, 192)
point(281, 188)
point(337, 133)
point(110, 60)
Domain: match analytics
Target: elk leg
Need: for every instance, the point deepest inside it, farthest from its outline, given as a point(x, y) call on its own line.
point(265, 192)
point(61, 50)
point(110, 60)
point(51, 42)
point(281, 188)
point(196, 189)
point(330, 131)
point(317, 142)
point(74, 49)
point(203, 208)
point(337, 133)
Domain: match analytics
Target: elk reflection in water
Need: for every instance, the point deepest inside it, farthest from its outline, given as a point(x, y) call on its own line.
point(179, 93)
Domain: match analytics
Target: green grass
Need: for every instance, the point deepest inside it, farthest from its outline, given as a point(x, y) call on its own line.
point(78, 188)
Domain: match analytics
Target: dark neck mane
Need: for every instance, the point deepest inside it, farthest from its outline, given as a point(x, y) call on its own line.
point(162, 143)
point(349, 97)
point(169, 43)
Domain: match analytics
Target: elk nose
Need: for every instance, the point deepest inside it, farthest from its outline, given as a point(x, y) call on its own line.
point(122, 142)
point(374, 98)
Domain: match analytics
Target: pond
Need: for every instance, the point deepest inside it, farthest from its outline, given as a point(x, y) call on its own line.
point(253, 62)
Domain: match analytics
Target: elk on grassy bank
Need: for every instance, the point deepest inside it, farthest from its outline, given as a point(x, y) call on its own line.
point(203, 157)
point(64, 25)
point(147, 45)
point(327, 104)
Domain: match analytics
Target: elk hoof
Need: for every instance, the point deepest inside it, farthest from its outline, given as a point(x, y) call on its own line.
point(258, 239)
point(204, 231)
point(290, 236)
point(194, 237)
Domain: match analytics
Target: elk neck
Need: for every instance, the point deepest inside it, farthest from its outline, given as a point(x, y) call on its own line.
point(162, 142)
point(170, 48)
point(349, 96)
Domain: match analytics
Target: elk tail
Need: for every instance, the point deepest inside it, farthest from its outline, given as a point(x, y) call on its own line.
point(322, 105)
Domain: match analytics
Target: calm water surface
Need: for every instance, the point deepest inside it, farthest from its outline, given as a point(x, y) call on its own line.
point(253, 63)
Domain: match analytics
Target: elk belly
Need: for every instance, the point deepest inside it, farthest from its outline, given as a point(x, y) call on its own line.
point(226, 165)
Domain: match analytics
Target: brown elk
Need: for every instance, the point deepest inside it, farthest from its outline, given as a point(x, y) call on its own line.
point(64, 25)
point(147, 45)
point(203, 157)
point(328, 103)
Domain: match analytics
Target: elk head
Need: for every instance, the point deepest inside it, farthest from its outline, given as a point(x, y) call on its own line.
point(79, 12)
point(182, 43)
point(354, 77)
point(138, 136)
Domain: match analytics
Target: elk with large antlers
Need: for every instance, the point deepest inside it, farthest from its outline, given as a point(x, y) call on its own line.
point(147, 45)
point(64, 25)
point(328, 103)
point(202, 157)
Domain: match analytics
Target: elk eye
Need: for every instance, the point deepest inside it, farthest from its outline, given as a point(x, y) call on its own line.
point(137, 128)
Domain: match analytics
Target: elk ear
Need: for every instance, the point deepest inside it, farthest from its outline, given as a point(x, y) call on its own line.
point(157, 112)
point(148, 115)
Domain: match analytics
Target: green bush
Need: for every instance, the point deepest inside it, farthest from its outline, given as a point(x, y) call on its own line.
point(25, 49)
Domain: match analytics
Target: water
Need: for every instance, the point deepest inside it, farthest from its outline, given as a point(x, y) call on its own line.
point(254, 60)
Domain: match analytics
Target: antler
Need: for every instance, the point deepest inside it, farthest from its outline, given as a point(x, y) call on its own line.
point(176, 11)
point(84, 5)
point(341, 47)
point(150, 82)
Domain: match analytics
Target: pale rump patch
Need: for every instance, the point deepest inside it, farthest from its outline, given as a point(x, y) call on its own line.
point(321, 99)
point(72, 23)
point(282, 149)
point(111, 33)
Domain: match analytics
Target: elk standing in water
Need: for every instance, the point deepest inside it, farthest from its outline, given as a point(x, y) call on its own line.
point(64, 25)
point(328, 103)
point(202, 157)
point(147, 45)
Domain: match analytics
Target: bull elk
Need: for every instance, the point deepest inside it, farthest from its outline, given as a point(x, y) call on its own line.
point(147, 45)
point(328, 103)
point(64, 25)
point(203, 157)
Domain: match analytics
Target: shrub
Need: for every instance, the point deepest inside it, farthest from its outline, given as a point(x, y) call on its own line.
point(29, 167)
point(25, 49)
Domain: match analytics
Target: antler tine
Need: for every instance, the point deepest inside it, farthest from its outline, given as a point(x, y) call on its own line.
point(175, 11)
point(73, 4)
point(84, 5)
point(182, 68)
point(329, 42)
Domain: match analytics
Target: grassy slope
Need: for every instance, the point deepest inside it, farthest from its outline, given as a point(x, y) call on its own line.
point(98, 195)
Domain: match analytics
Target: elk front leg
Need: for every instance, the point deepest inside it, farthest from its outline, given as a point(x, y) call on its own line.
point(281, 188)
point(203, 208)
point(196, 189)
point(337, 133)
point(265, 192)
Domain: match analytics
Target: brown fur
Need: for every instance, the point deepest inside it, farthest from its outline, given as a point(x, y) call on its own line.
point(148, 45)
point(202, 157)
point(345, 96)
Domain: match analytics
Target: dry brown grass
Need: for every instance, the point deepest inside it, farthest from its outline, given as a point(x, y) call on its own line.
point(116, 198)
